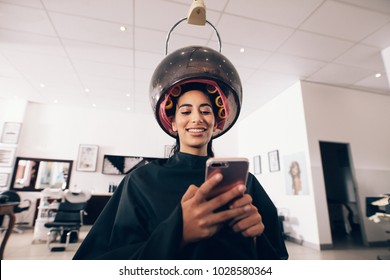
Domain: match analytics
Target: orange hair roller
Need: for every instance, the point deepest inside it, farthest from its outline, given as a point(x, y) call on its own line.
point(222, 113)
point(168, 104)
point(218, 101)
point(211, 89)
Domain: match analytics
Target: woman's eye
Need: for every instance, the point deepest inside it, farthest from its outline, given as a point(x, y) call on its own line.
point(185, 112)
point(206, 112)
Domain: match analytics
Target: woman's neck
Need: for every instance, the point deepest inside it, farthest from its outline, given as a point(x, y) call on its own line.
point(195, 151)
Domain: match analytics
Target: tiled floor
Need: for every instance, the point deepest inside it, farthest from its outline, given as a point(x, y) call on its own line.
point(21, 247)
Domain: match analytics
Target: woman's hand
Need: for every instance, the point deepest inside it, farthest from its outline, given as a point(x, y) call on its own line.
point(250, 223)
point(199, 217)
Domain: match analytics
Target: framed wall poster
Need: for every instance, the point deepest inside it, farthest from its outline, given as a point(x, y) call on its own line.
point(87, 158)
point(257, 165)
point(120, 165)
point(296, 174)
point(11, 131)
point(273, 160)
point(7, 156)
point(4, 179)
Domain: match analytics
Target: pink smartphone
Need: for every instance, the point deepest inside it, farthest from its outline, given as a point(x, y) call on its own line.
point(233, 170)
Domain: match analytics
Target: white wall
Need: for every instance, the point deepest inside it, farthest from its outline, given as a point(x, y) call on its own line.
point(362, 119)
point(11, 110)
point(295, 122)
point(280, 125)
point(386, 61)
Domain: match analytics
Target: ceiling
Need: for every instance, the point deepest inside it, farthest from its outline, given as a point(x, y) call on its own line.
point(73, 53)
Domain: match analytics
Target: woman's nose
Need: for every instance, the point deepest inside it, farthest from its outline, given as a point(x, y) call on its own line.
point(197, 117)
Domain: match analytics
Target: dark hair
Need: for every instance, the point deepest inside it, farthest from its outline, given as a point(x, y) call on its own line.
point(176, 148)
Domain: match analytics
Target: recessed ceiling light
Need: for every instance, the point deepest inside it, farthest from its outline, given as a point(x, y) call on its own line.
point(128, 108)
point(378, 75)
point(93, 105)
point(128, 94)
point(55, 101)
point(242, 50)
point(42, 85)
point(86, 90)
point(122, 28)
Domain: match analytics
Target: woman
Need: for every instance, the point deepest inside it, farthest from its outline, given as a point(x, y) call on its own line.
point(161, 210)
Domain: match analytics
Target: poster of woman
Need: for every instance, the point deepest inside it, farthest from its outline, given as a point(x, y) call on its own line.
point(296, 174)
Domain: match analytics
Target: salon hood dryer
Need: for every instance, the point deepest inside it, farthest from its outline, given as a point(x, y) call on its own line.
point(77, 196)
point(195, 64)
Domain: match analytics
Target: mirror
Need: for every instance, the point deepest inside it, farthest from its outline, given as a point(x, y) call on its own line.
point(34, 174)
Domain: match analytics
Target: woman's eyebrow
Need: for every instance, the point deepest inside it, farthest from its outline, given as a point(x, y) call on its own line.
point(185, 105)
point(190, 105)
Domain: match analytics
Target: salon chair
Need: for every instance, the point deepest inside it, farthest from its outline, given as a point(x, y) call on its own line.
point(68, 219)
point(13, 196)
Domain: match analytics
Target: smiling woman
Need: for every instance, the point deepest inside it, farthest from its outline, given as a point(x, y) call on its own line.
point(165, 210)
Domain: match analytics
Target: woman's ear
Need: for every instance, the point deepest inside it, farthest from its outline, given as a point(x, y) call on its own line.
point(215, 127)
point(174, 127)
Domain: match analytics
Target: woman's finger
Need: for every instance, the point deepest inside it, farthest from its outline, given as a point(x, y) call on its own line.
point(205, 189)
point(241, 201)
point(192, 189)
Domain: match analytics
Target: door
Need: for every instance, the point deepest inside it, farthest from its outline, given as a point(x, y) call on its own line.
point(344, 213)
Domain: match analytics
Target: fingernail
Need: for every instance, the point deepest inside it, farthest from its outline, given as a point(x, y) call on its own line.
point(247, 208)
point(218, 176)
point(241, 188)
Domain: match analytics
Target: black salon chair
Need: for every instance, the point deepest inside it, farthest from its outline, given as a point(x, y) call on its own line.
point(65, 228)
point(13, 196)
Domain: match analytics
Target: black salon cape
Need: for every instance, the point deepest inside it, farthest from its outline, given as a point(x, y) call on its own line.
point(143, 219)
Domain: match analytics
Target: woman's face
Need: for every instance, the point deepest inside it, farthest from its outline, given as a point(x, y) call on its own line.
point(194, 122)
point(294, 169)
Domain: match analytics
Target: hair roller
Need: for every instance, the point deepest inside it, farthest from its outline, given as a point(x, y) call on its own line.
point(211, 89)
point(218, 101)
point(169, 104)
point(222, 113)
point(175, 91)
